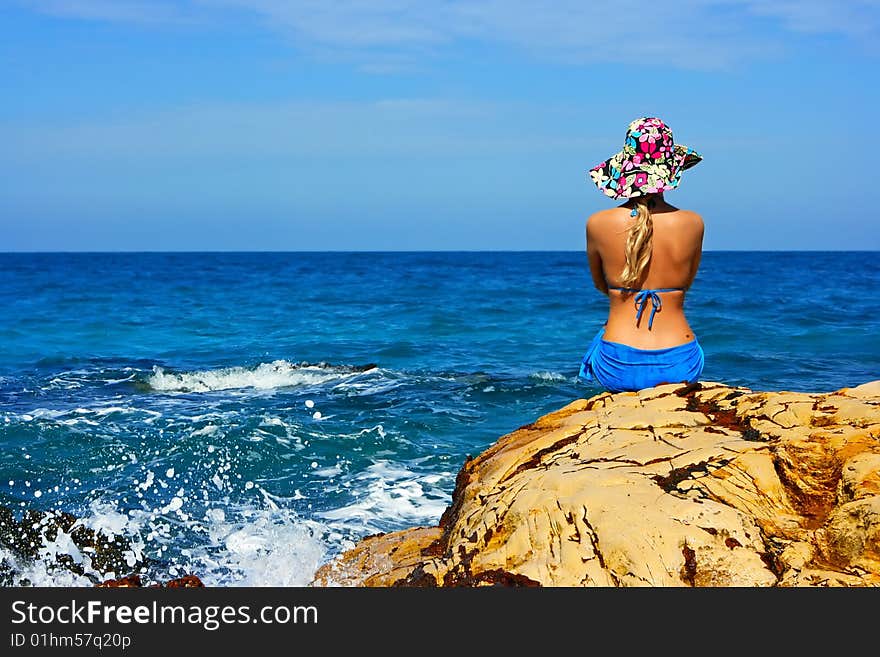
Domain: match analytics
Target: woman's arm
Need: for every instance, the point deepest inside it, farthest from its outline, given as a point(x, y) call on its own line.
point(698, 238)
point(596, 270)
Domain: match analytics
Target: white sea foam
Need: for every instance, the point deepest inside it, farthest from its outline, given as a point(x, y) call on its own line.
point(104, 517)
point(41, 573)
point(378, 429)
point(332, 471)
point(369, 389)
point(392, 493)
point(260, 547)
point(265, 376)
point(548, 376)
point(131, 376)
point(85, 415)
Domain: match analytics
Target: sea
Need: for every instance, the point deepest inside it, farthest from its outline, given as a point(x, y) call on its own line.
point(245, 417)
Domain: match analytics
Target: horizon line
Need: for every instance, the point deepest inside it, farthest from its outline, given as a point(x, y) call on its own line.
point(383, 251)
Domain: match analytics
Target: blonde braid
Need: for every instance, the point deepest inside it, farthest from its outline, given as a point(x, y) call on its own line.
point(639, 244)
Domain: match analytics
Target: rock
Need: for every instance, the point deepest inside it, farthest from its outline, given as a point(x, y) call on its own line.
point(391, 557)
point(131, 581)
point(26, 539)
point(185, 582)
point(702, 485)
point(134, 581)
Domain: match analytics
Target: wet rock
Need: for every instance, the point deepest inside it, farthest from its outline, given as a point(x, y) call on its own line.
point(26, 539)
point(131, 581)
point(134, 581)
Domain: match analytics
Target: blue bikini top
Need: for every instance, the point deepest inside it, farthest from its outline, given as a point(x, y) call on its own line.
point(642, 297)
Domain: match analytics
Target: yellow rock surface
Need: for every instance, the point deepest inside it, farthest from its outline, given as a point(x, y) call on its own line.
point(704, 485)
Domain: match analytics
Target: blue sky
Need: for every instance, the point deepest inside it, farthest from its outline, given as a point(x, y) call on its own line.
point(402, 125)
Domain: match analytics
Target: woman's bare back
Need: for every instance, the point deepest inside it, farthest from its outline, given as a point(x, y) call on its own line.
point(677, 247)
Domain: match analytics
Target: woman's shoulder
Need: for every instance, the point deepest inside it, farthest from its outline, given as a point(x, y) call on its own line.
point(605, 216)
point(689, 218)
point(683, 226)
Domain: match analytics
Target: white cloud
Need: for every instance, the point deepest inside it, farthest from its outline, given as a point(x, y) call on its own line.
point(381, 34)
point(853, 18)
point(573, 31)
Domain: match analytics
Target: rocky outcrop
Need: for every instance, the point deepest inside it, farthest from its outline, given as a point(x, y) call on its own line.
point(704, 485)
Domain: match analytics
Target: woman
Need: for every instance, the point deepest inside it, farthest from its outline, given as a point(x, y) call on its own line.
point(644, 254)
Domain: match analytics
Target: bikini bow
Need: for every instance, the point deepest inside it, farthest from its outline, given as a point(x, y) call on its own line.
point(641, 299)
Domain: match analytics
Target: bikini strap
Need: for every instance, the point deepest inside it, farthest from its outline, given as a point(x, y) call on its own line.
point(642, 297)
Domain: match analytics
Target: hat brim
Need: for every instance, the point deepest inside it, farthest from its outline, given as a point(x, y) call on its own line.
point(619, 177)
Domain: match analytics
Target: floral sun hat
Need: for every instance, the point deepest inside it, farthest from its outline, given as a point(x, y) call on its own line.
point(650, 162)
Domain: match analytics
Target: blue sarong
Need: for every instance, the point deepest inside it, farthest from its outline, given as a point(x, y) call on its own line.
point(618, 367)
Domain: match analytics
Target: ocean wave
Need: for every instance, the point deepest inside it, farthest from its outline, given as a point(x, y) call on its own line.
point(83, 415)
point(265, 376)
